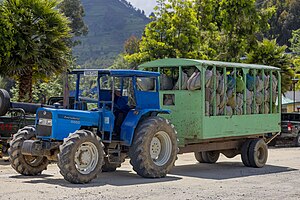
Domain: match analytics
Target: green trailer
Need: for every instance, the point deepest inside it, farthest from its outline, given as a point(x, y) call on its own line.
point(220, 107)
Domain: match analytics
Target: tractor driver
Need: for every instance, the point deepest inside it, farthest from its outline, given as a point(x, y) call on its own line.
point(121, 109)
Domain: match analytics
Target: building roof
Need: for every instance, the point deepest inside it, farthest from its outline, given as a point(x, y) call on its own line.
point(172, 62)
point(290, 95)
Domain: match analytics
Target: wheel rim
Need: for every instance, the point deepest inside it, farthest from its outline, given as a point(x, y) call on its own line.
point(298, 140)
point(161, 148)
point(212, 155)
point(86, 157)
point(33, 161)
point(261, 155)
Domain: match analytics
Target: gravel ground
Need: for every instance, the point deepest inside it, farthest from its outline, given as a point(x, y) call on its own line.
point(227, 179)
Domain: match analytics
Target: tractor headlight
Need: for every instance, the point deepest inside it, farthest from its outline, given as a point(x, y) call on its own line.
point(45, 122)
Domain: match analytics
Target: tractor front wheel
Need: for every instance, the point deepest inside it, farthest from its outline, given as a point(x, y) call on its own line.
point(81, 157)
point(154, 148)
point(25, 164)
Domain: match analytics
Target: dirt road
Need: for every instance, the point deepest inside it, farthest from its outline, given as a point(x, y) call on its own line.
point(228, 179)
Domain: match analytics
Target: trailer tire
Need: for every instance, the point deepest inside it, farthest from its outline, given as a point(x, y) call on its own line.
point(4, 102)
point(198, 156)
point(81, 157)
point(24, 164)
point(210, 156)
point(245, 153)
point(154, 148)
point(258, 153)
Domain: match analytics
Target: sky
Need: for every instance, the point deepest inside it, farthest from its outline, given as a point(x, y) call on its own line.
point(146, 5)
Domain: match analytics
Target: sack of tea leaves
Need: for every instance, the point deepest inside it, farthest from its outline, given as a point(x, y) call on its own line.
point(166, 83)
point(184, 82)
point(259, 84)
point(145, 84)
point(221, 86)
point(194, 82)
point(208, 78)
point(250, 82)
point(240, 84)
point(259, 98)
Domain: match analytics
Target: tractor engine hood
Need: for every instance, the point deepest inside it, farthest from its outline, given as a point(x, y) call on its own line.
point(57, 124)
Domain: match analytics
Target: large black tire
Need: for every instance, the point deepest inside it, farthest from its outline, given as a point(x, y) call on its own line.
point(198, 156)
point(81, 157)
point(24, 164)
point(154, 148)
point(258, 153)
point(4, 102)
point(245, 153)
point(210, 156)
point(298, 140)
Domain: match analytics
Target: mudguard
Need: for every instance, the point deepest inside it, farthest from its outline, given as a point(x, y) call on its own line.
point(132, 120)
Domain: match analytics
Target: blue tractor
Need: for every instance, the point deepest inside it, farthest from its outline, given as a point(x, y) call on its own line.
point(117, 121)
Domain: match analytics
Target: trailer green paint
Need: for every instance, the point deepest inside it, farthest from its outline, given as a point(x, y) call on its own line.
point(214, 132)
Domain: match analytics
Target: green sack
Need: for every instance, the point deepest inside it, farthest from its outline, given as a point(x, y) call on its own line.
point(240, 84)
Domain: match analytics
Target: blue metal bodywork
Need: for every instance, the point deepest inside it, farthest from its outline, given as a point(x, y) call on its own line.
point(66, 121)
point(132, 120)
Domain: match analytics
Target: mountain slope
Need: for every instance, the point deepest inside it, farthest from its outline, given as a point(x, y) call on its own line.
point(110, 23)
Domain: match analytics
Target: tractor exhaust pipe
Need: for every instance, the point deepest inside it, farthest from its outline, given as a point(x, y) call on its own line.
point(27, 107)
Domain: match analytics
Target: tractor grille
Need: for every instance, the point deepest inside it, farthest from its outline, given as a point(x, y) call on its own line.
point(43, 128)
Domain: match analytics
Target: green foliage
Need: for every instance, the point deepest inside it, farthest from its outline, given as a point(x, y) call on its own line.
point(269, 53)
point(6, 35)
point(39, 43)
point(239, 22)
point(42, 90)
point(295, 41)
point(2, 83)
point(120, 63)
point(295, 47)
point(131, 45)
point(74, 10)
point(204, 29)
point(111, 23)
point(284, 21)
point(172, 33)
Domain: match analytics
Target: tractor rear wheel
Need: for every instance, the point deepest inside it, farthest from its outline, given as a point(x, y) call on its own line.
point(81, 157)
point(154, 148)
point(25, 164)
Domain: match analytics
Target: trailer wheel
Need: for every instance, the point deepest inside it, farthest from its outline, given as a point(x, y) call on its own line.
point(258, 153)
point(4, 102)
point(198, 156)
point(154, 148)
point(245, 153)
point(81, 157)
point(210, 156)
point(24, 164)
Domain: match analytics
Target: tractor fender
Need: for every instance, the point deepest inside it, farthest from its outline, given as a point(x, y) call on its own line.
point(132, 120)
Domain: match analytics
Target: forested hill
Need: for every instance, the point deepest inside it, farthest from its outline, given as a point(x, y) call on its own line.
point(110, 23)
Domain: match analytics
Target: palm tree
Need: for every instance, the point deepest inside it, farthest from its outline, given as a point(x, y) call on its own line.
point(40, 34)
